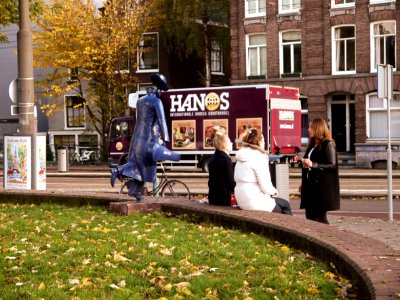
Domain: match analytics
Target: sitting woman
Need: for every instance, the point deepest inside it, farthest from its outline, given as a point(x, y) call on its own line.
point(254, 189)
point(220, 180)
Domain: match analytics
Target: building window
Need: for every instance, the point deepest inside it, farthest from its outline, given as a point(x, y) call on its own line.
point(381, 1)
point(75, 111)
point(256, 54)
point(142, 87)
point(290, 54)
point(73, 75)
point(342, 3)
point(64, 141)
point(383, 44)
point(289, 6)
point(377, 117)
point(148, 52)
point(255, 8)
point(343, 50)
point(88, 141)
point(216, 58)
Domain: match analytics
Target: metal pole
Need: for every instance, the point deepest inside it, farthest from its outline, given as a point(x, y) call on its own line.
point(389, 86)
point(25, 91)
point(389, 166)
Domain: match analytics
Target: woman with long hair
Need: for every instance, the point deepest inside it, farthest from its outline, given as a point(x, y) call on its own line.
point(254, 189)
point(319, 188)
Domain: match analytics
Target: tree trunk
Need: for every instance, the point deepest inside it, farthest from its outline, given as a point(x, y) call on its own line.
point(207, 58)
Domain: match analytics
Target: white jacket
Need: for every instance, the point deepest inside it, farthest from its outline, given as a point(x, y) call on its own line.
point(254, 188)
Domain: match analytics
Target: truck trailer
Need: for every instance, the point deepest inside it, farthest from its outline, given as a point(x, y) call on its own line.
point(191, 113)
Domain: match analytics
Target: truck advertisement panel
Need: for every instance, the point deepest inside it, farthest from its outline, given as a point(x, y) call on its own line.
point(285, 112)
point(191, 113)
point(199, 109)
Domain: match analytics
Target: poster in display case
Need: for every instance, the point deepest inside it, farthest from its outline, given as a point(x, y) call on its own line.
point(207, 128)
point(184, 134)
point(243, 126)
point(17, 162)
point(40, 163)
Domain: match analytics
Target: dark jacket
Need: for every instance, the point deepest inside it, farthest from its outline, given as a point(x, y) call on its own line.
point(320, 185)
point(220, 181)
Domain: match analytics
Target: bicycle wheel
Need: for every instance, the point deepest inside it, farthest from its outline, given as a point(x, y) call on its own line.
point(175, 188)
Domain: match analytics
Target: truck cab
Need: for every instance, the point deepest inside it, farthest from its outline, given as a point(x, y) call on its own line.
point(120, 134)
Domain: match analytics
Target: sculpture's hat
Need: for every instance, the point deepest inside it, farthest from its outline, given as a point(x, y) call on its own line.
point(159, 81)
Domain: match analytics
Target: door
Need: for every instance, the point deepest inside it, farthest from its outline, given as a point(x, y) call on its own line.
point(342, 122)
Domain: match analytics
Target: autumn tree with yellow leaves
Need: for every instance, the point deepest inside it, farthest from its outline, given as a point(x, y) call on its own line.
point(9, 13)
point(90, 52)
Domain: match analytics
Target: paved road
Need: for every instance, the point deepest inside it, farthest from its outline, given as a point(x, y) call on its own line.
point(351, 184)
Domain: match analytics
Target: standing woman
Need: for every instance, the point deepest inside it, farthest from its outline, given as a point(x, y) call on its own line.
point(220, 183)
point(320, 175)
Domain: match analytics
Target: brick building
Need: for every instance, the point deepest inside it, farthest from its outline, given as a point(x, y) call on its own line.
point(329, 49)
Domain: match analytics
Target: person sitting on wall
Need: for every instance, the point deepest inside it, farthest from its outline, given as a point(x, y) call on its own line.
point(145, 149)
point(220, 183)
point(254, 189)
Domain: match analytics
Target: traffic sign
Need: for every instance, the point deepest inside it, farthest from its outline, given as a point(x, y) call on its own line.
point(385, 81)
point(12, 90)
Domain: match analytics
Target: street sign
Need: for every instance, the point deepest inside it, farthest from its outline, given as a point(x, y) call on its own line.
point(12, 90)
point(385, 81)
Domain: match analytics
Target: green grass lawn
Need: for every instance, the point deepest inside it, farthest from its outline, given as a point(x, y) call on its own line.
point(60, 252)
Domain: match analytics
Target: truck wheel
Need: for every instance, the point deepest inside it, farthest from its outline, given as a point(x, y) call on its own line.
point(204, 165)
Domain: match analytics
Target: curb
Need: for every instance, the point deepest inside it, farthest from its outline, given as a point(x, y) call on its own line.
point(373, 265)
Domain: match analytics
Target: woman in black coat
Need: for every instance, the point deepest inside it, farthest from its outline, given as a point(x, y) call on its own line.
point(319, 188)
point(221, 184)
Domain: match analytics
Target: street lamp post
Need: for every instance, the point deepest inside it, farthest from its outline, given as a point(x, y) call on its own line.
point(26, 103)
point(25, 150)
point(25, 91)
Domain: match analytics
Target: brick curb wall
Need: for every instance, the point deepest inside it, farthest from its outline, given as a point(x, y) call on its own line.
point(373, 265)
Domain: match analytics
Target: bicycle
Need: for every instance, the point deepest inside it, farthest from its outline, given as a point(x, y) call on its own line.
point(88, 156)
point(165, 188)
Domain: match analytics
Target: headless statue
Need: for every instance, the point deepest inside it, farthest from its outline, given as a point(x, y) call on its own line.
point(145, 148)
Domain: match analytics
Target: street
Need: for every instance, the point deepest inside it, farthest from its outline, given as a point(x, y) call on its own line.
point(369, 187)
point(197, 182)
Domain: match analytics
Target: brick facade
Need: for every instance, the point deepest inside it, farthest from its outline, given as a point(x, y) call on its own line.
point(315, 20)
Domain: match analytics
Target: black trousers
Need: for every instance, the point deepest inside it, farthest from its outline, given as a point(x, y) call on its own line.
point(317, 215)
point(282, 206)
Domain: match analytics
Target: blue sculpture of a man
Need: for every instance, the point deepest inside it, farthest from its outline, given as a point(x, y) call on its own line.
point(145, 148)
